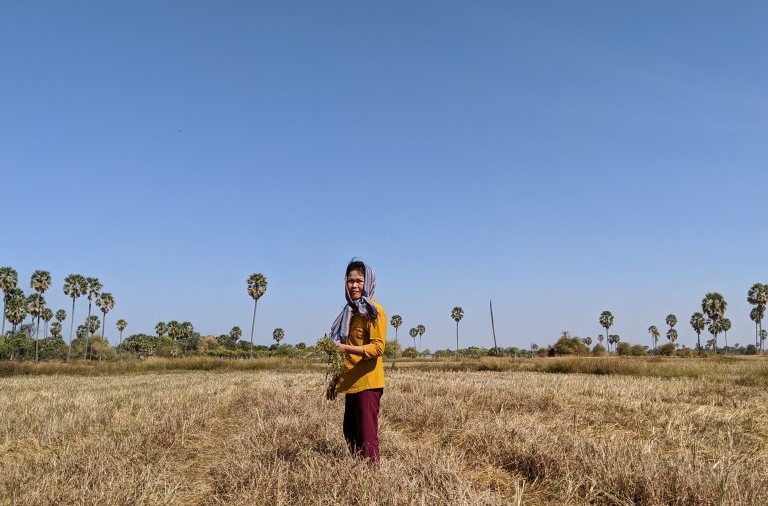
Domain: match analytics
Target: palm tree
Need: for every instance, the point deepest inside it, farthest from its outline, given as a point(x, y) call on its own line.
point(420, 329)
point(672, 335)
point(698, 323)
point(46, 315)
point(235, 334)
point(725, 326)
point(61, 315)
point(161, 329)
point(457, 314)
point(654, 336)
point(606, 321)
point(35, 306)
point(614, 339)
point(758, 297)
point(75, 286)
point(713, 326)
point(186, 331)
point(600, 339)
point(763, 335)
point(414, 332)
point(257, 286)
point(9, 278)
point(121, 324)
point(713, 305)
point(94, 290)
point(16, 308)
point(278, 334)
point(756, 315)
point(588, 341)
point(105, 302)
point(396, 321)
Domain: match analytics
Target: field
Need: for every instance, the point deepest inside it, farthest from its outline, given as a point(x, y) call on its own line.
point(535, 432)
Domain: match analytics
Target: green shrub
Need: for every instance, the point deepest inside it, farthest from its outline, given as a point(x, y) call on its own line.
point(599, 351)
point(667, 350)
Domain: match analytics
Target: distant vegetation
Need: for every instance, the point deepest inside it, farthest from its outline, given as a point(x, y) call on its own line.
point(32, 336)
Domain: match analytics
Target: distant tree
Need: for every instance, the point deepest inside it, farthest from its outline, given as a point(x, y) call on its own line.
point(61, 315)
point(606, 321)
point(588, 341)
point(457, 314)
point(614, 339)
point(396, 321)
point(15, 307)
point(75, 286)
point(667, 350)
point(35, 307)
point(698, 322)
point(420, 329)
point(756, 315)
point(600, 339)
point(567, 345)
point(40, 283)
point(94, 290)
point(9, 279)
point(56, 329)
point(725, 326)
point(161, 329)
point(713, 305)
point(278, 334)
point(257, 287)
point(758, 297)
point(763, 335)
point(121, 325)
point(671, 320)
point(654, 336)
point(46, 315)
point(414, 332)
point(624, 349)
point(105, 302)
point(672, 335)
point(235, 334)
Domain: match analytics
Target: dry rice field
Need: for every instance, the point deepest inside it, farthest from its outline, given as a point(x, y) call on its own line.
point(448, 438)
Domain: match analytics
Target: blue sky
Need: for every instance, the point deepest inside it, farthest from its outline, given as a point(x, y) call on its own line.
point(560, 158)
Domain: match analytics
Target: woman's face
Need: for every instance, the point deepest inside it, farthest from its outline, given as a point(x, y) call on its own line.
point(355, 281)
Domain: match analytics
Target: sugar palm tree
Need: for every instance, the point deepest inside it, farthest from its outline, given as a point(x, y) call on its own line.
point(725, 326)
point(758, 297)
point(713, 305)
point(614, 340)
point(278, 334)
point(105, 302)
point(16, 307)
point(763, 335)
point(56, 329)
point(75, 286)
point(9, 278)
point(671, 321)
point(94, 290)
point(457, 313)
point(414, 332)
point(396, 321)
point(672, 335)
point(235, 334)
point(161, 329)
point(46, 315)
point(121, 325)
point(61, 315)
point(35, 306)
point(756, 314)
point(420, 329)
point(698, 323)
point(713, 326)
point(600, 339)
point(588, 341)
point(606, 321)
point(257, 286)
point(654, 336)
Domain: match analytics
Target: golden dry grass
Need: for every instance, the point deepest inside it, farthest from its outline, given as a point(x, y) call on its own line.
point(458, 438)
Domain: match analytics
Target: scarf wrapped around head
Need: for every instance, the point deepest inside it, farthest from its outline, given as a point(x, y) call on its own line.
point(364, 306)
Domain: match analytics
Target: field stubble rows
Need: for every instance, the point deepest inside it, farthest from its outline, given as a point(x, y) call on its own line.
point(459, 438)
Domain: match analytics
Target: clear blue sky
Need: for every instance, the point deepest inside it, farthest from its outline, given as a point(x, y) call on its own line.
point(560, 158)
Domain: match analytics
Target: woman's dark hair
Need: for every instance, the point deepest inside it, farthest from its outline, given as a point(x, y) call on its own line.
point(355, 265)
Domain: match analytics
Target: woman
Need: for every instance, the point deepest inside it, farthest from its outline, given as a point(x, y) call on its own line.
point(361, 331)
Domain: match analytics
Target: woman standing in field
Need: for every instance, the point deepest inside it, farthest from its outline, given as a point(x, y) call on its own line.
point(361, 332)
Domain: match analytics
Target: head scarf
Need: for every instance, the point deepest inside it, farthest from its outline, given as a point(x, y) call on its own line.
point(364, 306)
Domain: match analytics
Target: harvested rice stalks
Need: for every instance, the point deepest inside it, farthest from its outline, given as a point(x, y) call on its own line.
point(335, 361)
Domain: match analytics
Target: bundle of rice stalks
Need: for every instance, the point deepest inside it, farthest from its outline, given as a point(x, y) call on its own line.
point(335, 367)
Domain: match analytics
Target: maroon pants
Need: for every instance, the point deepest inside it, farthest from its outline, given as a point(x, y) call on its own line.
point(361, 423)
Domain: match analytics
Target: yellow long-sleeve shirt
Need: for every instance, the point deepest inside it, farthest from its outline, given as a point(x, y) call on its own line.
point(365, 372)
